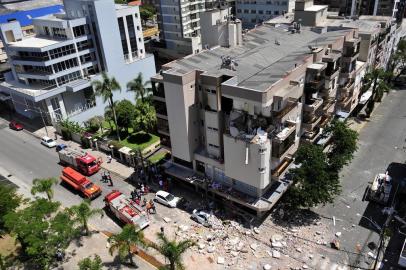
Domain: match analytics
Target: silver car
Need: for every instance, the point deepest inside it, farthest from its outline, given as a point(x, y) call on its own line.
point(201, 217)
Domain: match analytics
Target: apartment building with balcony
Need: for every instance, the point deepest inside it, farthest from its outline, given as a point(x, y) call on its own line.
point(180, 23)
point(237, 117)
point(253, 12)
point(52, 71)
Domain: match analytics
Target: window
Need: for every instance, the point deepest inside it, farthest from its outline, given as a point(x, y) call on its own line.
point(80, 30)
point(238, 10)
point(62, 51)
point(260, 11)
point(202, 123)
point(253, 20)
point(58, 32)
point(246, 11)
point(46, 30)
point(69, 77)
point(262, 170)
point(64, 65)
point(253, 11)
point(276, 12)
point(212, 129)
point(213, 91)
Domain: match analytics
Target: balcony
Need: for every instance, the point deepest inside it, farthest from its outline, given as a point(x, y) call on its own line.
point(312, 105)
point(278, 171)
point(310, 123)
point(285, 132)
point(346, 89)
point(343, 104)
point(290, 105)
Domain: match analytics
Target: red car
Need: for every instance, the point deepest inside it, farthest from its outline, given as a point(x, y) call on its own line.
point(16, 126)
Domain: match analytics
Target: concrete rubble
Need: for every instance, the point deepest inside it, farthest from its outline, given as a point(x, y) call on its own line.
point(230, 245)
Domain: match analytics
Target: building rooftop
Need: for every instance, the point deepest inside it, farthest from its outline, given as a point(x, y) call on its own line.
point(365, 24)
point(316, 8)
point(267, 55)
point(25, 17)
point(34, 42)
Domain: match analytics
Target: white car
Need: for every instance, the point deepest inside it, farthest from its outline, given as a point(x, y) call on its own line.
point(201, 217)
point(48, 142)
point(166, 198)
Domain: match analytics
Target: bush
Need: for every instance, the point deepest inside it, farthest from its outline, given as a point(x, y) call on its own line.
point(85, 142)
point(94, 123)
point(116, 144)
point(66, 134)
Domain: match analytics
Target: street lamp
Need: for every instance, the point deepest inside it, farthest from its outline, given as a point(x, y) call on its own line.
point(43, 121)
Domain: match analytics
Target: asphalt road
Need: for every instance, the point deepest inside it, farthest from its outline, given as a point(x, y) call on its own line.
point(24, 157)
point(381, 142)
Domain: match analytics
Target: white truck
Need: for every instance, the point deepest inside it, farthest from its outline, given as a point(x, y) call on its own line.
point(126, 210)
point(379, 190)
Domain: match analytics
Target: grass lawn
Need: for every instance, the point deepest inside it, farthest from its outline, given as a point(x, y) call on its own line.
point(155, 158)
point(140, 140)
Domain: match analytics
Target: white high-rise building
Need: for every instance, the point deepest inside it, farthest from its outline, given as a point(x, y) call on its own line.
point(52, 71)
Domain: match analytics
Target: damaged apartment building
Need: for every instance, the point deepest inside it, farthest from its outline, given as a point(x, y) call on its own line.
point(236, 115)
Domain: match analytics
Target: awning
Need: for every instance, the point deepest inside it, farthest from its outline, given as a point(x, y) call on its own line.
point(126, 150)
point(365, 97)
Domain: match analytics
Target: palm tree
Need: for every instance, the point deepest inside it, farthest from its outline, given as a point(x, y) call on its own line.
point(139, 87)
point(108, 115)
point(124, 241)
point(145, 116)
point(44, 186)
point(172, 250)
point(105, 89)
point(83, 212)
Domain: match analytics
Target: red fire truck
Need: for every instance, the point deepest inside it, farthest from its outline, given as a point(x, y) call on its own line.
point(126, 210)
point(79, 160)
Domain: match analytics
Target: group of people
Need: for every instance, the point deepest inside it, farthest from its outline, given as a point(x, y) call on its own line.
point(106, 177)
point(136, 195)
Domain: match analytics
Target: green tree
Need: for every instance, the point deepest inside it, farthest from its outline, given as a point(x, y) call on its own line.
point(397, 62)
point(125, 240)
point(125, 113)
point(9, 202)
point(41, 231)
point(82, 213)
point(145, 117)
point(105, 88)
point(141, 89)
point(172, 250)
point(44, 186)
point(146, 12)
point(313, 182)
point(343, 145)
point(91, 264)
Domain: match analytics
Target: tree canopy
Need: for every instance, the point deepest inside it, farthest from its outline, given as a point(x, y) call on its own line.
point(9, 202)
point(145, 116)
point(91, 264)
point(343, 145)
point(172, 250)
point(82, 213)
point(44, 186)
point(41, 230)
point(141, 89)
point(313, 183)
point(125, 111)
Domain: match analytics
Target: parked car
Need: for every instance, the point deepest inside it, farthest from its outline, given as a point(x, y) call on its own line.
point(201, 217)
point(167, 199)
point(48, 142)
point(15, 125)
point(59, 147)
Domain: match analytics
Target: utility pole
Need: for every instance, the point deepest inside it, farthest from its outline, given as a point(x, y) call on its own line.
point(391, 212)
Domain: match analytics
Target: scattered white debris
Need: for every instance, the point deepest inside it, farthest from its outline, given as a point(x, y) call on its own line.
point(334, 220)
point(299, 250)
point(276, 254)
point(276, 244)
point(267, 267)
point(338, 234)
point(167, 220)
point(304, 266)
point(220, 260)
point(371, 255)
point(254, 246)
point(211, 249)
point(256, 230)
point(201, 246)
point(318, 232)
point(276, 238)
point(248, 233)
point(183, 228)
